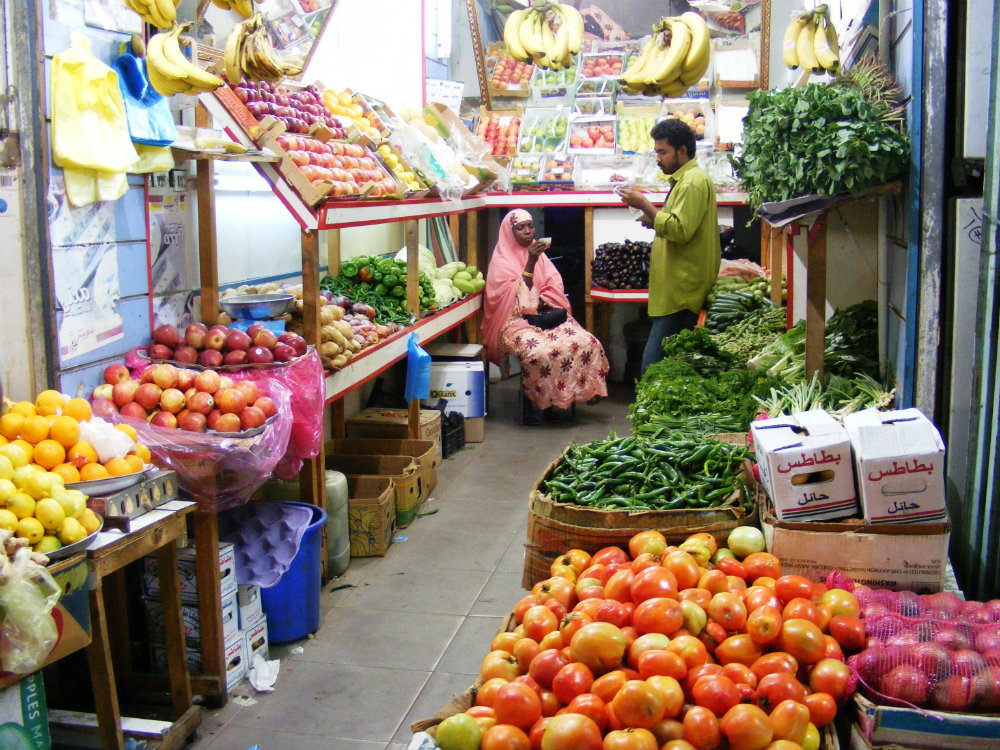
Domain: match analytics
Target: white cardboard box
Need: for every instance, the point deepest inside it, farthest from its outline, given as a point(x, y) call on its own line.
point(255, 640)
point(191, 618)
point(899, 461)
point(923, 729)
point(462, 385)
point(236, 667)
point(187, 571)
point(248, 600)
point(805, 464)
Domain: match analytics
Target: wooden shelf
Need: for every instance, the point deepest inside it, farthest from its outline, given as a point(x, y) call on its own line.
point(587, 199)
point(374, 360)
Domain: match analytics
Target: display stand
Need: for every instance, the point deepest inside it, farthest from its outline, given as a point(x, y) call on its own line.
point(156, 532)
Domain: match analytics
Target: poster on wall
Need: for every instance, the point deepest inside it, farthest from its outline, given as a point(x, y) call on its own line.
point(295, 24)
point(112, 15)
point(172, 296)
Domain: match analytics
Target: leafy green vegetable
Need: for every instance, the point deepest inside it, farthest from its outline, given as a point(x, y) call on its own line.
point(745, 339)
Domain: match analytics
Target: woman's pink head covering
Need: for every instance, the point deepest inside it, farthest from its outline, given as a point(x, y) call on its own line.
point(504, 272)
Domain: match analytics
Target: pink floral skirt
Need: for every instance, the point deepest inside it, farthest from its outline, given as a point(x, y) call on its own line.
point(558, 366)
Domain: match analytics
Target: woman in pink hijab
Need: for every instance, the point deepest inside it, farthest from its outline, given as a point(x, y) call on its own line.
point(559, 365)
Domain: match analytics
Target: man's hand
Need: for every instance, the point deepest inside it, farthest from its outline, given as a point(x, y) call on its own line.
point(636, 199)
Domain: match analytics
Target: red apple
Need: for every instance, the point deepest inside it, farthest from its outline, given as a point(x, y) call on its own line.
point(185, 378)
point(295, 341)
point(213, 417)
point(237, 340)
point(255, 328)
point(166, 335)
point(181, 414)
point(193, 422)
point(265, 338)
point(235, 357)
point(165, 376)
point(266, 405)
point(201, 402)
point(146, 376)
point(215, 339)
point(116, 374)
point(225, 382)
point(148, 396)
point(283, 352)
point(207, 381)
point(163, 419)
point(210, 357)
point(194, 335)
point(172, 400)
point(159, 351)
point(251, 417)
point(260, 355)
point(228, 423)
point(186, 354)
point(249, 390)
point(230, 400)
point(123, 392)
point(103, 391)
point(134, 410)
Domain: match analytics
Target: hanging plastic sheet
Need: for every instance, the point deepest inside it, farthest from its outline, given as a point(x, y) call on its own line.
point(148, 113)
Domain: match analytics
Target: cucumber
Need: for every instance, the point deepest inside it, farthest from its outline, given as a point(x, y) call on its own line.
point(462, 276)
point(463, 285)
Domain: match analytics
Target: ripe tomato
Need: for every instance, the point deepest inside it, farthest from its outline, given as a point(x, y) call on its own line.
point(577, 559)
point(594, 570)
point(736, 585)
point(527, 679)
point(639, 704)
point(740, 674)
point(790, 720)
point(572, 622)
point(484, 723)
point(728, 610)
point(746, 727)
point(536, 732)
point(715, 692)
point(831, 676)
point(632, 738)
point(841, 602)
point(557, 607)
point(589, 705)
point(617, 613)
point(661, 662)
point(760, 564)
point(499, 664)
point(684, 567)
point(761, 596)
point(832, 650)
point(589, 607)
point(504, 641)
point(775, 661)
point(802, 639)
point(672, 692)
point(702, 729)
point(505, 737)
point(558, 570)
point(801, 609)
point(572, 680)
point(732, 567)
point(822, 708)
point(668, 730)
point(644, 643)
point(849, 631)
point(617, 587)
point(524, 650)
point(607, 685)
point(690, 649)
point(478, 711)
point(599, 645)
point(645, 560)
point(658, 615)
point(589, 588)
point(774, 688)
point(557, 588)
point(551, 640)
point(823, 616)
point(739, 648)
point(701, 597)
point(653, 582)
point(525, 603)
point(571, 732)
point(488, 691)
point(678, 745)
point(607, 555)
point(651, 542)
point(790, 587)
point(544, 666)
point(764, 625)
point(539, 621)
point(713, 581)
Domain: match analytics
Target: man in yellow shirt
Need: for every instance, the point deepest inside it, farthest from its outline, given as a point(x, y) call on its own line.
point(684, 260)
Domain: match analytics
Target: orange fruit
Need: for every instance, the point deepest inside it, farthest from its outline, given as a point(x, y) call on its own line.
point(118, 467)
point(10, 425)
point(24, 408)
point(35, 429)
point(28, 448)
point(49, 453)
point(82, 453)
point(68, 472)
point(134, 462)
point(3, 440)
point(93, 471)
point(78, 408)
point(49, 402)
point(143, 452)
point(65, 431)
point(128, 430)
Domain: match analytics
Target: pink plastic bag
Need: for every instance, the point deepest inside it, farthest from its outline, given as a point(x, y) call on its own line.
point(218, 470)
point(304, 379)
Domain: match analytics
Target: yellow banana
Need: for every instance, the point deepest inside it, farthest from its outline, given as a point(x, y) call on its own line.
point(562, 52)
point(243, 7)
point(224, 4)
point(164, 84)
point(575, 30)
point(826, 46)
point(789, 47)
point(549, 40)
point(231, 55)
point(634, 73)
point(698, 54)
point(671, 60)
point(511, 39)
point(197, 78)
point(163, 12)
point(692, 77)
point(804, 47)
point(530, 34)
point(674, 89)
point(156, 59)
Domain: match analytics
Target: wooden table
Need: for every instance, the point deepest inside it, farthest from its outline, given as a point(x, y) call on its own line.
point(155, 532)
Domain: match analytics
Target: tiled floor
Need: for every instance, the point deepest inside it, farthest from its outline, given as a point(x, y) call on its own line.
point(409, 632)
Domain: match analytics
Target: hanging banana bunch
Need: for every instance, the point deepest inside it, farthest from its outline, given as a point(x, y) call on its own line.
point(170, 72)
point(249, 54)
point(243, 7)
point(158, 13)
point(674, 59)
point(811, 42)
point(547, 34)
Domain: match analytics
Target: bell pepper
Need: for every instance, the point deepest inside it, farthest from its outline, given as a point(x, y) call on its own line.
point(366, 273)
point(390, 280)
point(399, 291)
point(349, 270)
point(378, 277)
point(381, 290)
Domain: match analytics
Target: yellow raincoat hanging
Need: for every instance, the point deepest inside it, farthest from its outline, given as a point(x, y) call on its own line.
point(90, 139)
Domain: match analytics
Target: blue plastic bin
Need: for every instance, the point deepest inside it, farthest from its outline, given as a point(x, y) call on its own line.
point(292, 604)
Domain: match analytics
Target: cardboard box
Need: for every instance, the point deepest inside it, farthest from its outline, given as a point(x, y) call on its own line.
point(157, 489)
point(233, 653)
point(371, 513)
point(24, 720)
point(191, 617)
point(249, 604)
point(255, 640)
point(377, 422)
point(188, 573)
point(923, 729)
point(427, 454)
point(475, 430)
point(461, 385)
point(884, 556)
point(805, 465)
point(899, 461)
point(402, 470)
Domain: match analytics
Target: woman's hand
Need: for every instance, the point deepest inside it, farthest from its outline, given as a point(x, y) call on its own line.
point(535, 249)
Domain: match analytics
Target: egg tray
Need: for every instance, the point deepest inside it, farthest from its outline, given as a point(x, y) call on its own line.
point(266, 537)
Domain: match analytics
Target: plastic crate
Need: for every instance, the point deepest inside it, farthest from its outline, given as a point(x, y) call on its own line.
point(452, 433)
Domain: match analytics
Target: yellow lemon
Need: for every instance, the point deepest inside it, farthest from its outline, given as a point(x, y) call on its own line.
point(47, 544)
point(71, 531)
point(28, 448)
point(38, 484)
point(21, 474)
point(7, 489)
point(15, 454)
point(49, 402)
point(50, 513)
point(21, 505)
point(8, 520)
point(6, 468)
point(77, 502)
point(31, 529)
point(90, 521)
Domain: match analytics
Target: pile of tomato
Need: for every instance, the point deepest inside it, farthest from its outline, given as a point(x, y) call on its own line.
point(664, 648)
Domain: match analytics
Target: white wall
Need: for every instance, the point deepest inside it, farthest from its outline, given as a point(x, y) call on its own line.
point(15, 359)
